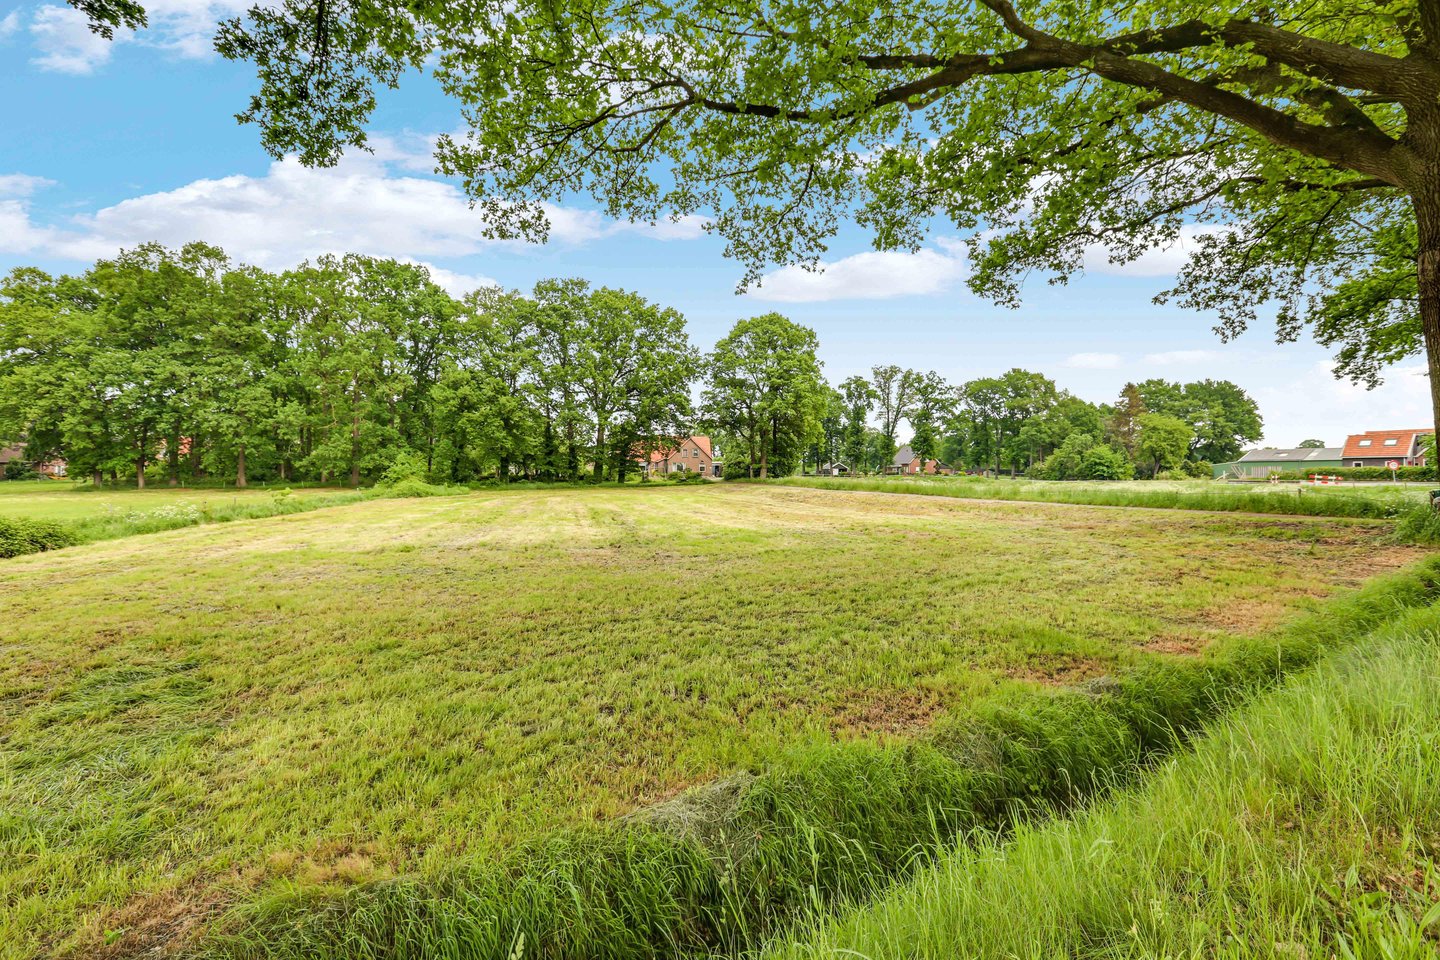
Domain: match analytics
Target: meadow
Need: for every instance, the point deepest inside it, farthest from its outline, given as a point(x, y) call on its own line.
point(289, 708)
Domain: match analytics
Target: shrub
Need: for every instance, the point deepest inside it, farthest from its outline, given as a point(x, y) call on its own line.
point(417, 487)
point(21, 536)
point(1104, 462)
point(405, 466)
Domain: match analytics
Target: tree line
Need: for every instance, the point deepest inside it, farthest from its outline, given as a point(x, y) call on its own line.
point(186, 365)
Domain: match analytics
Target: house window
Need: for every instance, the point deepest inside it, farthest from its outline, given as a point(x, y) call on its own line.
point(1357, 463)
point(1363, 443)
point(1391, 442)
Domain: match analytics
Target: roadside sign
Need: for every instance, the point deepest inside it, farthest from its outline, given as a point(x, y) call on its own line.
point(1392, 465)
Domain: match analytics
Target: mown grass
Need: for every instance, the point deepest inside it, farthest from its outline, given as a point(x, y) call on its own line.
point(250, 720)
point(1308, 825)
point(84, 514)
point(1374, 501)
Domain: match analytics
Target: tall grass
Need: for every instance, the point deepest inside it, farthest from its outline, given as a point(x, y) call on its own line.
point(1305, 826)
point(1296, 501)
point(721, 870)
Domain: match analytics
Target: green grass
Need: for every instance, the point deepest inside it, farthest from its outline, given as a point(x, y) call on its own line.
point(1380, 501)
point(1308, 825)
point(229, 720)
point(84, 514)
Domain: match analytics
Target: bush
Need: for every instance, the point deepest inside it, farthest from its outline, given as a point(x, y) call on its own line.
point(1420, 474)
point(405, 466)
point(20, 470)
point(19, 537)
point(417, 487)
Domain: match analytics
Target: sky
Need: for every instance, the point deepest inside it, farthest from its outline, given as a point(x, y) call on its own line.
point(107, 145)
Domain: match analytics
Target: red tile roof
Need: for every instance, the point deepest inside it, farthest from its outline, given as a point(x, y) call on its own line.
point(1403, 447)
point(703, 442)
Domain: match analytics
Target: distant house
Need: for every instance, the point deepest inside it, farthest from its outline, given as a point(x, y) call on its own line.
point(1375, 448)
point(906, 462)
point(1259, 464)
point(693, 453)
point(15, 454)
point(836, 469)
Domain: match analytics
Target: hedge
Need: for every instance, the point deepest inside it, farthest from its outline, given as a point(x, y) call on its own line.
point(1362, 473)
point(22, 536)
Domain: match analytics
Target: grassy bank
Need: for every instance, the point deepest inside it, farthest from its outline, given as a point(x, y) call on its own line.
point(1306, 826)
point(273, 714)
point(720, 871)
point(1380, 502)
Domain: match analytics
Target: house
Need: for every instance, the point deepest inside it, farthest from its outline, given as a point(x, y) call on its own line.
point(693, 453)
point(1261, 463)
point(1375, 448)
point(15, 454)
point(836, 469)
point(906, 462)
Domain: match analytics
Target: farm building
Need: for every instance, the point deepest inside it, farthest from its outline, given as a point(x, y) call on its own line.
point(15, 454)
point(1259, 464)
point(837, 469)
point(691, 453)
point(905, 461)
point(1375, 448)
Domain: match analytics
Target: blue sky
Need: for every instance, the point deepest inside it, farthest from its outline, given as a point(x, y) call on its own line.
point(109, 145)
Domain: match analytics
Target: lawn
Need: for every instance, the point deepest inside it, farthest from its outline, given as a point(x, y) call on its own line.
point(196, 718)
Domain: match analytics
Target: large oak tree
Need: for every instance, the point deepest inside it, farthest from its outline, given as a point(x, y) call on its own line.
point(1295, 144)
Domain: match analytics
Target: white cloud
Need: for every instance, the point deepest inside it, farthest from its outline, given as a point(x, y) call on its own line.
point(875, 275)
point(293, 213)
point(10, 25)
point(64, 42)
point(1316, 405)
point(21, 184)
point(1173, 358)
point(1158, 262)
point(456, 284)
point(1092, 361)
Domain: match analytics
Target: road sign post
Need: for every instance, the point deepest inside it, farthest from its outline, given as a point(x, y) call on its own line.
point(1392, 466)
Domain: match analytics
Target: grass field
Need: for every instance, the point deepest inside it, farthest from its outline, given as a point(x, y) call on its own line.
point(77, 503)
point(1306, 826)
point(198, 718)
point(1376, 500)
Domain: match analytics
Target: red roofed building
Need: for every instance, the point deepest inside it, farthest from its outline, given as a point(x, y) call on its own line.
point(1375, 448)
point(692, 453)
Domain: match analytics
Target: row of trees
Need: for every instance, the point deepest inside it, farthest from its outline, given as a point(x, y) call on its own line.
point(184, 362)
point(1021, 421)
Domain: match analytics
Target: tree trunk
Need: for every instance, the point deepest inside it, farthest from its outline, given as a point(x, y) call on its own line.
point(172, 460)
point(97, 478)
point(240, 467)
point(598, 472)
point(1427, 262)
point(140, 472)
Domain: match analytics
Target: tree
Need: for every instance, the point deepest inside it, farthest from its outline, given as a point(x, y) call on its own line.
point(1222, 416)
point(1164, 441)
point(765, 389)
point(932, 403)
point(1125, 419)
point(1297, 143)
point(1312, 444)
point(893, 388)
point(858, 397)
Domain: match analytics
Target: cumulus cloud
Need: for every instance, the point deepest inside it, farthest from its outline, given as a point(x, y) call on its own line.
point(875, 275)
point(9, 25)
point(1092, 361)
point(293, 213)
point(64, 42)
point(1158, 262)
point(1318, 405)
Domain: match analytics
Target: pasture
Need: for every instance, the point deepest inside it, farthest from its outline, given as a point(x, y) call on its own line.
point(199, 718)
